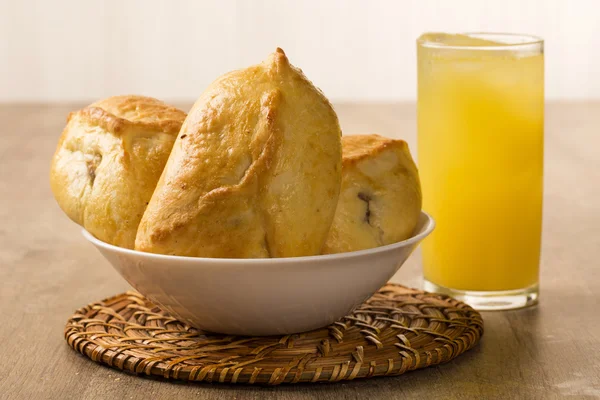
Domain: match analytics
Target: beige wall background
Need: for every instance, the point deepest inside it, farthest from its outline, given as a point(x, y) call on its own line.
point(73, 50)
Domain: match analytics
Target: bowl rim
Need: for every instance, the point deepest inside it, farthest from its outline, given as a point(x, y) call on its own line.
point(429, 225)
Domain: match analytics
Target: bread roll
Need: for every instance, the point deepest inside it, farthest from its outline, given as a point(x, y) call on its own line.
point(380, 200)
point(108, 160)
point(255, 171)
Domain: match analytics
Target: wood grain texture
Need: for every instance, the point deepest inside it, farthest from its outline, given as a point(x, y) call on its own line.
point(47, 270)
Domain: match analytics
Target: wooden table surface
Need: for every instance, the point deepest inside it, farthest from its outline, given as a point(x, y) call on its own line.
point(47, 270)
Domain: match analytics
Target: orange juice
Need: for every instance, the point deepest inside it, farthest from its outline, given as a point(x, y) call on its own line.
point(480, 155)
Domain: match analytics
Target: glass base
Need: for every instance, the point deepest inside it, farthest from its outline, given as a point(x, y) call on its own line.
point(490, 300)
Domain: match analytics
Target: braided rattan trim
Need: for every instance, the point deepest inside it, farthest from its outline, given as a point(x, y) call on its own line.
point(395, 331)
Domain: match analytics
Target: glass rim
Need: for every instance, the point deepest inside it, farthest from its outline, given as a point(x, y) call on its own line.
point(520, 40)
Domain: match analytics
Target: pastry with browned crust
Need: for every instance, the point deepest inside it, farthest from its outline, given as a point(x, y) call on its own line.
point(108, 160)
point(380, 199)
point(255, 171)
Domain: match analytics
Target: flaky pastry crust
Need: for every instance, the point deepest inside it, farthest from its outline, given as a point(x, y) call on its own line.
point(380, 199)
point(255, 171)
point(107, 162)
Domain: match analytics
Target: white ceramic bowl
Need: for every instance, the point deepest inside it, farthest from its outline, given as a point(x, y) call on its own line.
point(266, 296)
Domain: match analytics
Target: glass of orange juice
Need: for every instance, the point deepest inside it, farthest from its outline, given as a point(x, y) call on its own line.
point(480, 153)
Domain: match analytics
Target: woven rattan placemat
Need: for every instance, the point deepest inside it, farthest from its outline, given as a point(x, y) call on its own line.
point(397, 330)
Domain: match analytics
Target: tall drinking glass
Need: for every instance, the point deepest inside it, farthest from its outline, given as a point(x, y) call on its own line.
point(480, 153)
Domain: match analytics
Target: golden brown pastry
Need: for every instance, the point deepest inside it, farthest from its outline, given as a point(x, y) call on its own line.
point(255, 171)
point(108, 160)
point(380, 200)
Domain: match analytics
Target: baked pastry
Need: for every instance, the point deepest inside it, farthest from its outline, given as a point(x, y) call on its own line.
point(108, 160)
point(380, 199)
point(255, 171)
